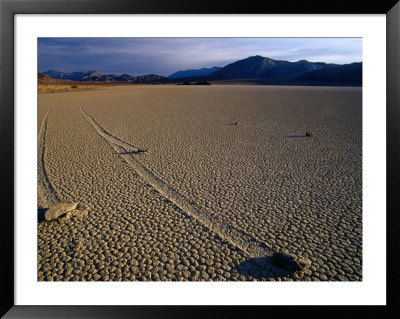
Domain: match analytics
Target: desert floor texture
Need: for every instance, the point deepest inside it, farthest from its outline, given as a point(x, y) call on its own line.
point(200, 182)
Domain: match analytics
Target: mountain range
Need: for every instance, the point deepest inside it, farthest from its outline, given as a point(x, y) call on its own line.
point(344, 74)
point(258, 67)
point(255, 68)
point(93, 76)
point(193, 73)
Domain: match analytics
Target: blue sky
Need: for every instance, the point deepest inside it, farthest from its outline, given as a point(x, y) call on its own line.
point(164, 56)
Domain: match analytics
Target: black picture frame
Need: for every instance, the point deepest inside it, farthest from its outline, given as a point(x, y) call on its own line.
point(8, 8)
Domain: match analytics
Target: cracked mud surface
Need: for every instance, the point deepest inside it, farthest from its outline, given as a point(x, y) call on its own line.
point(210, 200)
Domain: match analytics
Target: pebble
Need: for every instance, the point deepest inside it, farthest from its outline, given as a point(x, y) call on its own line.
point(290, 261)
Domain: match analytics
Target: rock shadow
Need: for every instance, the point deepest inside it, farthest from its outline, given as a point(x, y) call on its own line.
point(139, 151)
point(262, 269)
point(41, 212)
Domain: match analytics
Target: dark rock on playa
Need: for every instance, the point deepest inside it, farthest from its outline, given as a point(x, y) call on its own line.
point(309, 134)
point(59, 209)
point(290, 262)
point(142, 150)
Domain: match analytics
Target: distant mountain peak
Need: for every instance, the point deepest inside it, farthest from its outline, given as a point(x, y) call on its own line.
point(193, 73)
point(259, 67)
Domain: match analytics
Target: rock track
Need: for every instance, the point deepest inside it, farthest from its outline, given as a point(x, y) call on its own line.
point(237, 238)
point(47, 195)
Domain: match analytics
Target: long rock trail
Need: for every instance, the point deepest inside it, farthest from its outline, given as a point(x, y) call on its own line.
point(47, 195)
point(248, 244)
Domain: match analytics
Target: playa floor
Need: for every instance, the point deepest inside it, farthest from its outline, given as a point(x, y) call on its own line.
point(201, 182)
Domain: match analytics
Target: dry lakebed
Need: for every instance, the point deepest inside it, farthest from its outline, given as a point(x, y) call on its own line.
point(198, 183)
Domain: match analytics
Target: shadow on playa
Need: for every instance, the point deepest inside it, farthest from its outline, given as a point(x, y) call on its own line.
point(263, 269)
point(41, 212)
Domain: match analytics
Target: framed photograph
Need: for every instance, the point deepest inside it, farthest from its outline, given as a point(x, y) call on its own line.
point(192, 159)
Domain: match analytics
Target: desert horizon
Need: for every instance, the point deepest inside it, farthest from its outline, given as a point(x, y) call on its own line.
point(199, 159)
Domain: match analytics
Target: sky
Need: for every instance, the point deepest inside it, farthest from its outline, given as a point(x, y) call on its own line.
point(164, 56)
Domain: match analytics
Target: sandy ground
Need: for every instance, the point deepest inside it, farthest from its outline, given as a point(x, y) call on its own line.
point(51, 88)
point(209, 200)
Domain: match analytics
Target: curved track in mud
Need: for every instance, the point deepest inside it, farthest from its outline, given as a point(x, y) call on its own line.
point(47, 195)
point(237, 238)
